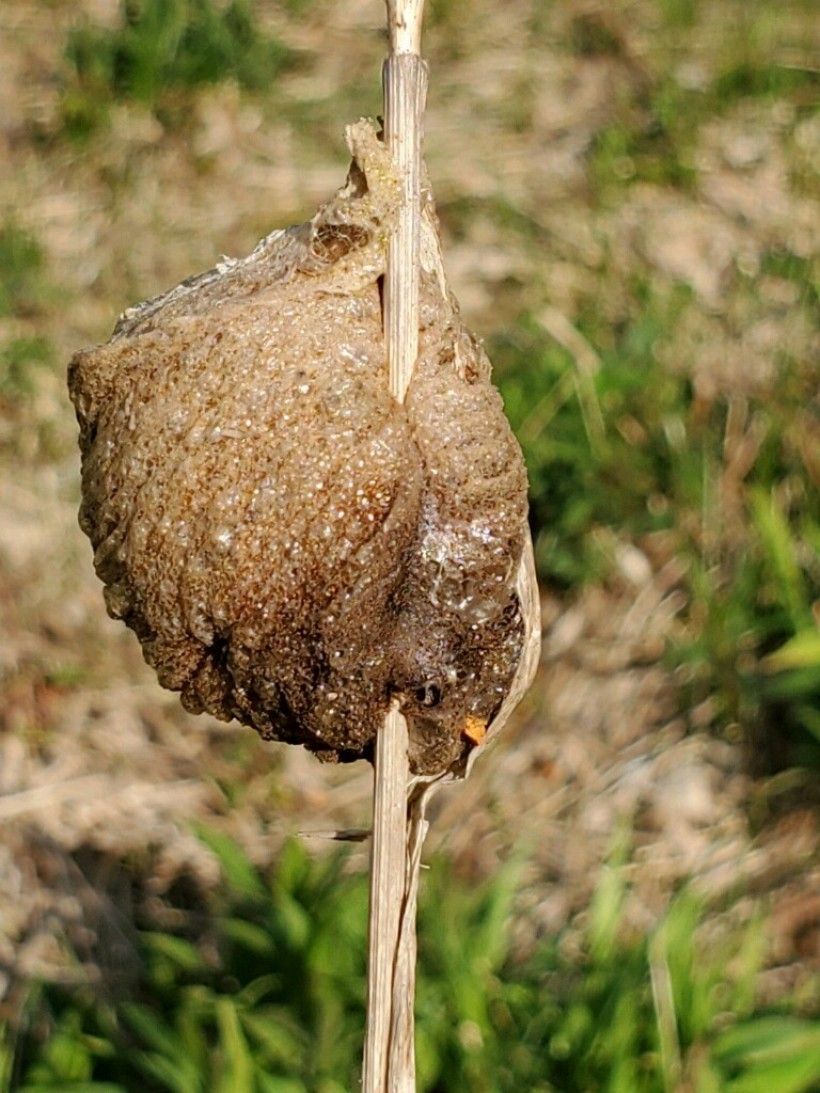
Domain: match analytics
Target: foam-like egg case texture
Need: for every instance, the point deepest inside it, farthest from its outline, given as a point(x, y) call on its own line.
point(292, 546)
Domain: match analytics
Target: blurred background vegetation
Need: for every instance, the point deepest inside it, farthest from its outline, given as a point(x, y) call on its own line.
point(624, 897)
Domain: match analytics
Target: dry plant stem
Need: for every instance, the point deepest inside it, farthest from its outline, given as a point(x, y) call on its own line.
point(401, 1062)
point(404, 19)
point(386, 895)
point(405, 87)
point(389, 1063)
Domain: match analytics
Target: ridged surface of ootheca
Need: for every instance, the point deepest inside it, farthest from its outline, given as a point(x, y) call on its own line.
point(292, 547)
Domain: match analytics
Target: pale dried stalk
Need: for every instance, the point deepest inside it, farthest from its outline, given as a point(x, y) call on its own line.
point(386, 895)
point(404, 19)
point(389, 1057)
point(401, 1062)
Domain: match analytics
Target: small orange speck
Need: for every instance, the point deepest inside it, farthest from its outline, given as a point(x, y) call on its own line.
point(475, 729)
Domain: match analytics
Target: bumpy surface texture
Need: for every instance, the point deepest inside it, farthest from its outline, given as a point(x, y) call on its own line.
point(292, 547)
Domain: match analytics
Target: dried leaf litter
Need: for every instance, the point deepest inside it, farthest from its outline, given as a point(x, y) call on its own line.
point(293, 548)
